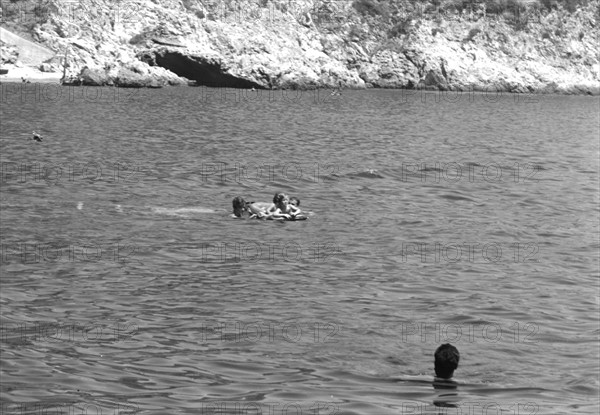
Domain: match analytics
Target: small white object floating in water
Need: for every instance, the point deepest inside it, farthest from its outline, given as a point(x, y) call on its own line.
point(119, 209)
point(37, 137)
point(80, 205)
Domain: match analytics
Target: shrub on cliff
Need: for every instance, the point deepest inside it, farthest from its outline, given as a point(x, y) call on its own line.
point(21, 16)
point(403, 27)
point(372, 8)
point(472, 33)
point(138, 39)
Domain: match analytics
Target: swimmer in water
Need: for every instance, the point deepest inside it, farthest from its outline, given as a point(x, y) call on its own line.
point(239, 207)
point(281, 208)
point(37, 137)
point(294, 203)
point(258, 210)
point(446, 361)
point(254, 210)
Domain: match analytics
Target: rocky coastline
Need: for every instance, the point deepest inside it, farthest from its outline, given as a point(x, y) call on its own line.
point(309, 44)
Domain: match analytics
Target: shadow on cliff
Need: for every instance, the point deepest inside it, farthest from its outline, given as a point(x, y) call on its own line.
point(204, 71)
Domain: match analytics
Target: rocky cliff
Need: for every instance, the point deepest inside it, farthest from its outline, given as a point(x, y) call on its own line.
point(506, 45)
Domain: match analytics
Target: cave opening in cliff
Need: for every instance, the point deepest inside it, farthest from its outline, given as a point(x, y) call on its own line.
point(202, 71)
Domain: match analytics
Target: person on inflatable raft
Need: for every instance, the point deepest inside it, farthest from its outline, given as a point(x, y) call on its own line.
point(282, 208)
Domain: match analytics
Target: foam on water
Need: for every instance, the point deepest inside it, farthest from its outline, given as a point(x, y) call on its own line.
point(182, 211)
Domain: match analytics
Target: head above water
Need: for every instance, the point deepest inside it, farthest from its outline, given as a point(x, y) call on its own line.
point(279, 198)
point(294, 201)
point(446, 361)
point(239, 205)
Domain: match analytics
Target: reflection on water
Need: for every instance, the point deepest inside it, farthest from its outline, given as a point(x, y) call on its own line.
point(127, 286)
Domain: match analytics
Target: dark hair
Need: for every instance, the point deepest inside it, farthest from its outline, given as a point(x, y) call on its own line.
point(239, 204)
point(296, 199)
point(278, 198)
point(446, 361)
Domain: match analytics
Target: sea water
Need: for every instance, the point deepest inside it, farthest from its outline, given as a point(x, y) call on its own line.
point(126, 287)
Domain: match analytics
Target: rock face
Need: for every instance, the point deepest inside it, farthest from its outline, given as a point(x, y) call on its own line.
point(201, 69)
point(129, 76)
point(303, 44)
point(8, 53)
point(30, 52)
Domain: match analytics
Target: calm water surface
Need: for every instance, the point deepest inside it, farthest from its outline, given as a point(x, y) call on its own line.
point(125, 284)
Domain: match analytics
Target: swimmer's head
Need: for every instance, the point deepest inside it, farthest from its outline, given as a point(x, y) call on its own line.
point(239, 205)
point(279, 198)
point(446, 361)
point(294, 201)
